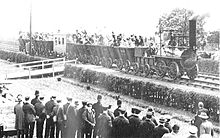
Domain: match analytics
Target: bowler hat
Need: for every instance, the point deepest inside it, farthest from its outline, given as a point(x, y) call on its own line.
point(54, 97)
point(135, 110)
point(69, 98)
point(84, 103)
point(37, 92)
point(162, 120)
point(27, 98)
point(41, 98)
point(59, 101)
point(203, 115)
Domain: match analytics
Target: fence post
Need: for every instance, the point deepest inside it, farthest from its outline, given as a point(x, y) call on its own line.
point(53, 69)
point(29, 69)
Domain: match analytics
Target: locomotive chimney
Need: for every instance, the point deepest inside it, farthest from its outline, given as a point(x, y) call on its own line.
point(192, 34)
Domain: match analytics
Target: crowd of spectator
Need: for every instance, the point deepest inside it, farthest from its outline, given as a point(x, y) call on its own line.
point(36, 36)
point(82, 37)
point(69, 120)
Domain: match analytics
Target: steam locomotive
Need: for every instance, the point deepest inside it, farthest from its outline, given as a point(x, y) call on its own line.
point(139, 59)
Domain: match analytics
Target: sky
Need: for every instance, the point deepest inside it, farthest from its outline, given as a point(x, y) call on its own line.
point(103, 16)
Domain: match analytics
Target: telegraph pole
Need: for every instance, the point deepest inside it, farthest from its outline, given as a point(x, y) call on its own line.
point(30, 49)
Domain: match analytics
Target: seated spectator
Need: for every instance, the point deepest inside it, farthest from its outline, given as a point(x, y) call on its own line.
point(174, 134)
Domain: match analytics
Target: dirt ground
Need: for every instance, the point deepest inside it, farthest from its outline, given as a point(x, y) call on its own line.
point(67, 87)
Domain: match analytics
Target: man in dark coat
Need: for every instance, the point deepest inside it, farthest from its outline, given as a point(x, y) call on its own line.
point(117, 110)
point(70, 119)
point(104, 124)
point(98, 110)
point(167, 123)
point(50, 125)
point(160, 130)
point(81, 122)
point(147, 127)
point(36, 99)
point(29, 118)
point(134, 123)
point(89, 119)
point(58, 119)
point(120, 125)
point(19, 117)
point(40, 118)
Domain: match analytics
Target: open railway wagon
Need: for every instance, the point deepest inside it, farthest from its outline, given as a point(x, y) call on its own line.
point(38, 46)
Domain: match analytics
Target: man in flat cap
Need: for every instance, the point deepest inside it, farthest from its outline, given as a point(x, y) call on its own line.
point(81, 122)
point(19, 117)
point(98, 110)
point(58, 119)
point(40, 117)
point(70, 119)
point(104, 124)
point(160, 130)
point(29, 118)
point(120, 125)
point(167, 123)
point(50, 125)
point(147, 126)
point(134, 123)
point(36, 99)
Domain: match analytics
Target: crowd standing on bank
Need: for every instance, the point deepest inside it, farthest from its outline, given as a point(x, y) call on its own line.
point(56, 120)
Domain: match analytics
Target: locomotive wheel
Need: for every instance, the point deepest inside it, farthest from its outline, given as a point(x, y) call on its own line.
point(119, 64)
point(109, 63)
point(127, 66)
point(96, 60)
point(173, 71)
point(161, 68)
point(136, 68)
point(192, 74)
point(146, 70)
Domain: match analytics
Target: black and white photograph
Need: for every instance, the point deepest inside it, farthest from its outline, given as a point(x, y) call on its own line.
point(109, 69)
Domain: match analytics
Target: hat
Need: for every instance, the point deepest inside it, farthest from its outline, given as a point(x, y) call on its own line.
point(193, 130)
point(69, 98)
point(89, 104)
point(150, 109)
point(54, 97)
point(58, 101)
point(41, 98)
point(99, 97)
point(203, 115)
point(76, 102)
point(121, 110)
point(119, 102)
point(58, 79)
point(84, 103)
point(162, 120)
point(27, 98)
point(135, 110)
point(37, 93)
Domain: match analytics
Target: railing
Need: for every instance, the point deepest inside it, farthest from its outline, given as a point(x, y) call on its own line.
point(36, 68)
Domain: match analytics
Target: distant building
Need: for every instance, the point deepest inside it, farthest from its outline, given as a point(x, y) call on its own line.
point(59, 40)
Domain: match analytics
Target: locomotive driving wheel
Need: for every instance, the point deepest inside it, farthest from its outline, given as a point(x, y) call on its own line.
point(119, 64)
point(173, 71)
point(192, 74)
point(161, 68)
point(146, 70)
point(127, 65)
point(136, 68)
